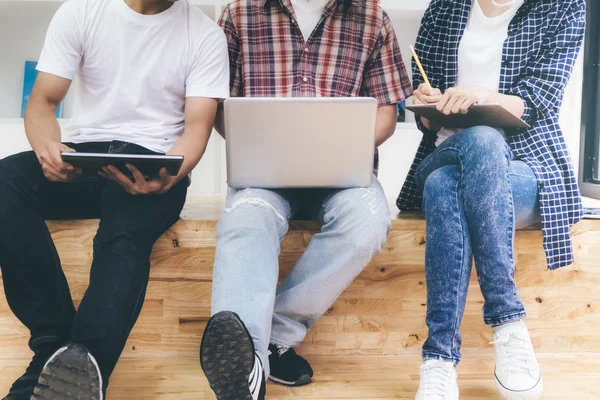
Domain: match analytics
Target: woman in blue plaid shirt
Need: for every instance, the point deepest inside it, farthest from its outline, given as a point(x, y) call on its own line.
point(477, 185)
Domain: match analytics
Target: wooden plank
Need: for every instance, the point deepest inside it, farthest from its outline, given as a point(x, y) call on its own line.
point(566, 377)
point(380, 315)
point(382, 312)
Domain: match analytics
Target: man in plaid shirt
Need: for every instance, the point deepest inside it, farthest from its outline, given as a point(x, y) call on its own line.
point(296, 48)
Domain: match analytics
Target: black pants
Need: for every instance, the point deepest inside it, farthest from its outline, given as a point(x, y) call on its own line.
point(34, 283)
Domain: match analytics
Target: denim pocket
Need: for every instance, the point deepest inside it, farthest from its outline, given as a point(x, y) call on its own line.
point(117, 147)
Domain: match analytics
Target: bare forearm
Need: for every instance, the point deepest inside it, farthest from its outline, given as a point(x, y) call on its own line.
point(514, 104)
point(41, 125)
point(386, 124)
point(192, 147)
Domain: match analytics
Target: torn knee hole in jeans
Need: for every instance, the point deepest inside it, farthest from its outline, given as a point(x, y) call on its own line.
point(254, 201)
point(370, 196)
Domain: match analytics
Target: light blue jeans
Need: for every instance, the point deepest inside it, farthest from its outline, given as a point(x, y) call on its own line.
point(474, 195)
point(355, 224)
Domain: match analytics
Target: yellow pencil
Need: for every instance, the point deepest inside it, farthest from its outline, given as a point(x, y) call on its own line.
point(419, 65)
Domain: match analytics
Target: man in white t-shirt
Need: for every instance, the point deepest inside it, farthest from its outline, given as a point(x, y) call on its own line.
point(150, 74)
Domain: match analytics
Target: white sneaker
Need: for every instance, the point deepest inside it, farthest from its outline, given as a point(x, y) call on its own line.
point(438, 381)
point(518, 375)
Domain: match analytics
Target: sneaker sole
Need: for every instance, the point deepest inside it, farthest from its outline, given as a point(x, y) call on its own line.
point(227, 357)
point(70, 374)
point(534, 393)
point(303, 380)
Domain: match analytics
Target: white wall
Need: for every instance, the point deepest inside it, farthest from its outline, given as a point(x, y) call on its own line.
point(18, 45)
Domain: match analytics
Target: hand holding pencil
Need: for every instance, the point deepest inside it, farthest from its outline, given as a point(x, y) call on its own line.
point(456, 100)
point(425, 93)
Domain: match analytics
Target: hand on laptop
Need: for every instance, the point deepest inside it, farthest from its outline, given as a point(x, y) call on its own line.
point(140, 185)
point(425, 94)
point(54, 168)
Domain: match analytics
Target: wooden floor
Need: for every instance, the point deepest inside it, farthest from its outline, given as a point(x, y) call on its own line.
point(367, 346)
point(567, 377)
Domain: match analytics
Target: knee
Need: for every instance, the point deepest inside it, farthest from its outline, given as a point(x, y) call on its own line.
point(486, 142)
point(20, 176)
point(439, 184)
point(9, 199)
point(132, 246)
point(363, 217)
point(254, 210)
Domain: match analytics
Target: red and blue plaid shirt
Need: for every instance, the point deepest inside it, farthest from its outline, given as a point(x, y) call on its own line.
point(351, 52)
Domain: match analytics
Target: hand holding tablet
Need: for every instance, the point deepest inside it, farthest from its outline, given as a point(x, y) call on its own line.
point(148, 165)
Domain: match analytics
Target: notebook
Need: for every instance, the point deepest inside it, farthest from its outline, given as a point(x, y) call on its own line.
point(493, 115)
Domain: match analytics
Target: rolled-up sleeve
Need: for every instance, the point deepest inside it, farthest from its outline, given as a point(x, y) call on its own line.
point(428, 54)
point(543, 85)
point(227, 23)
point(385, 77)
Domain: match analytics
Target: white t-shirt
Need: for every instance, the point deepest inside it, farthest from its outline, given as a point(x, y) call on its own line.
point(134, 71)
point(480, 52)
point(308, 14)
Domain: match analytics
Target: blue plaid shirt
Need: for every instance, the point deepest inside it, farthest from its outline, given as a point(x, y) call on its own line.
point(544, 40)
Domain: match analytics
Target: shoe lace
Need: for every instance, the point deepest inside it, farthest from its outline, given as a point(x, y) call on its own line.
point(517, 348)
point(436, 380)
point(281, 350)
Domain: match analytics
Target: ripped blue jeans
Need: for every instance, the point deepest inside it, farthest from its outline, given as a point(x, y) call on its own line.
point(474, 195)
point(355, 223)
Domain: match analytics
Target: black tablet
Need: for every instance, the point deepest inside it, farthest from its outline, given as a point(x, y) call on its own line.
point(149, 165)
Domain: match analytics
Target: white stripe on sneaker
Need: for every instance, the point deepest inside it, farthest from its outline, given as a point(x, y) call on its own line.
point(255, 381)
point(101, 383)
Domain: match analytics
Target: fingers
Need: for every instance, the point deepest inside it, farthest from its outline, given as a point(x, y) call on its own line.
point(417, 101)
point(67, 149)
point(450, 104)
point(116, 175)
point(426, 95)
point(425, 89)
point(455, 102)
point(140, 179)
point(458, 104)
point(165, 178)
point(52, 174)
point(56, 160)
point(441, 105)
point(141, 186)
point(52, 157)
point(466, 105)
point(431, 99)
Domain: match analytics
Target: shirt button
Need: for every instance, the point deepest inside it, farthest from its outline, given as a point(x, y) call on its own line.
point(305, 79)
point(306, 49)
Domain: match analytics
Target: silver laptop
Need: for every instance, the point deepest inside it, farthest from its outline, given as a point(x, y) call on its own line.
point(300, 142)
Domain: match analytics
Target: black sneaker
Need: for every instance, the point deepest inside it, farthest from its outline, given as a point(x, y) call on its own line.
point(229, 360)
point(70, 374)
point(23, 387)
point(288, 368)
